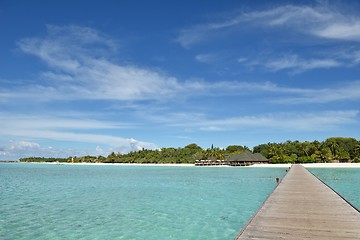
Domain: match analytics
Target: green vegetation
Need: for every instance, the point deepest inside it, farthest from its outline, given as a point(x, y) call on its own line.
point(331, 150)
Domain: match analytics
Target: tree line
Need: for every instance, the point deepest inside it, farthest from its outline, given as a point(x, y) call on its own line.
point(337, 149)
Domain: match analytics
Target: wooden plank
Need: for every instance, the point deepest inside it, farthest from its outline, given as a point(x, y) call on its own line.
point(302, 207)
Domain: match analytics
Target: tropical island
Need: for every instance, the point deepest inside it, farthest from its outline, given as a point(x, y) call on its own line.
point(336, 149)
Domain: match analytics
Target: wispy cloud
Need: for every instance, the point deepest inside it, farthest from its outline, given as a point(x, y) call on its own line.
point(14, 150)
point(345, 92)
point(66, 129)
point(42, 121)
point(344, 28)
point(350, 55)
point(320, 21)
point(77, 72)
point(319, 121)
point(206, 58)
point(296, 64)
point(291, 121)
point(81, 67)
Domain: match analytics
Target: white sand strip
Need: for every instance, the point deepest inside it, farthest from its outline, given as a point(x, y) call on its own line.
point(280, 165)
point(119, 164)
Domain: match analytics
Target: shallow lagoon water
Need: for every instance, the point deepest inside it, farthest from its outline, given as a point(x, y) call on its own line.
point(44, 201)
point(345, 181)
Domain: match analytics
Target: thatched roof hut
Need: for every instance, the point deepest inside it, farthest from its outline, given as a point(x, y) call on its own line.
point(246, 158)
point(261, 158)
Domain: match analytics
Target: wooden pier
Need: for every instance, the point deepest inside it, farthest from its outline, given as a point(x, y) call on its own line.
point(302, 207)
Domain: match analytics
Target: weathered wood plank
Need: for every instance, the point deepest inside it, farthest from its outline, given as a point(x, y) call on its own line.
point(302, 207)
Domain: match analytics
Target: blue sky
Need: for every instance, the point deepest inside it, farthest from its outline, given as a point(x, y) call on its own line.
point(92, 77)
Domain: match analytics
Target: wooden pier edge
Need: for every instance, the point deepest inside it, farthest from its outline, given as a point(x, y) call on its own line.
point(253, 216)
point(320, 212)
point(334, 191)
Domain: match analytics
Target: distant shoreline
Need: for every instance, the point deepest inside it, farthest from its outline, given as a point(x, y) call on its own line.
point(283, 165)
point(118, 164)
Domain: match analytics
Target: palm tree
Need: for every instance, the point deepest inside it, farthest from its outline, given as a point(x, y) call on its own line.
point(357, 150)
point(333, 146)
point(274, 153)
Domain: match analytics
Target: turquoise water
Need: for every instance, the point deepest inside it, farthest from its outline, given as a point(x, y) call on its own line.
point(42, 201)
point(345, 181)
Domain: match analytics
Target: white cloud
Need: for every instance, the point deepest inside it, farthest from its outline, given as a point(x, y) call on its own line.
point(17, 148)
point(297, 64)
point(55, 122)
point(297, 122)
point(205, 58)
point(320, 21)
point(80, 68)
point(319, 121)
point(195, 34)
point(345, 92)
point(13, 150)
point(77, 72)
point(65, 129)
point(99, 150)
point(356, 57)
point(342, 91)
point(212, 129)
point(22, 145)
point(351, 55)
point(241, 59)
point(347, 29)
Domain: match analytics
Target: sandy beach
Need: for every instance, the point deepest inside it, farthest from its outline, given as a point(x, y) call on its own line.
point(280, 165)
point(285, 165)
point(120, 164)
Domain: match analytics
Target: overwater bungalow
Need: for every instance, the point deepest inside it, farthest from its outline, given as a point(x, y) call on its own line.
point(211, 161)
